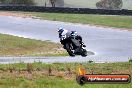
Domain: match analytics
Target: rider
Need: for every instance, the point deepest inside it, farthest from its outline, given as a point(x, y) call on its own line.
point(63, 34)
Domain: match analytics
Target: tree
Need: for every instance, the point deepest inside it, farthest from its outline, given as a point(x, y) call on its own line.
point(2, 0)
point(109, 4)
point(58, 3)
point(53, 2)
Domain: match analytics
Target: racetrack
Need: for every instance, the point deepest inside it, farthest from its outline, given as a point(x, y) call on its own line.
point(108, 44)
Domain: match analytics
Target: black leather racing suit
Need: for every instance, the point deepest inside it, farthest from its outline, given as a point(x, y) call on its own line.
point(77, 40)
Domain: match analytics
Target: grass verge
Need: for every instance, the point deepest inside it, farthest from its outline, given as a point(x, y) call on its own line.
point(17, 46)
point(57, 75)
point(104, 20)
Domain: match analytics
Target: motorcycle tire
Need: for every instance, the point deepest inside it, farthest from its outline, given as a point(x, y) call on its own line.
point(84, 53)
point(69, 49)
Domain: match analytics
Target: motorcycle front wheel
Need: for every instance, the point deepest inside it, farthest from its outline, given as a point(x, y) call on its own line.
point(70, 49)
point(84, 53)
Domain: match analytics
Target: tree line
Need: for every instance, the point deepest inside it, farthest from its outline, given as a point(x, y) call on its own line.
point(102, 4)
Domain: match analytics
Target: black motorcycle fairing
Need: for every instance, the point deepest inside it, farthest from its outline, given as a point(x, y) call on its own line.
point(73, 46)
point(72, 41)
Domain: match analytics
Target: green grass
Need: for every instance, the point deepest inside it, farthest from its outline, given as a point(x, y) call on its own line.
point(104, 20)
point(17, 46)
point(20, 78)
point(52, 82)
point(106, 68)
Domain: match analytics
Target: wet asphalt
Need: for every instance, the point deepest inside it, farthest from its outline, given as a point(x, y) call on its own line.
point(108, 44)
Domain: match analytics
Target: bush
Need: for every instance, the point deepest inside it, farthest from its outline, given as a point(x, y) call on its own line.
point(90, 61)
point(110, 4)
point(130, 60)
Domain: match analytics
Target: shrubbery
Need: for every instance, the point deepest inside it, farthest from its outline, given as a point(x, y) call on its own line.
point(109, 4)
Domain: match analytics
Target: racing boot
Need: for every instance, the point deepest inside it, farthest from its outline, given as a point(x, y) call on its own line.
point(83, 45)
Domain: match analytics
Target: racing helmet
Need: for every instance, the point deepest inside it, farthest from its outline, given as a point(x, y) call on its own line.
point(73, 33)
point(60, 30)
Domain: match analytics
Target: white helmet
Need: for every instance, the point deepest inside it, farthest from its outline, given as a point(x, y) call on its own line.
point(62, 31)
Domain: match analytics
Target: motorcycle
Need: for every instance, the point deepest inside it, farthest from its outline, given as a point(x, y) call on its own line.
point(73, 46)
